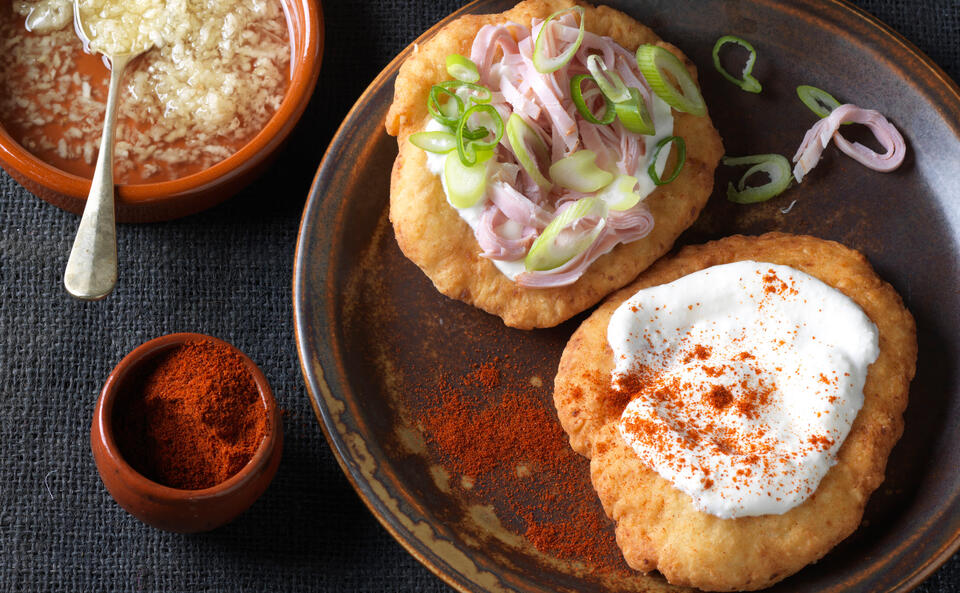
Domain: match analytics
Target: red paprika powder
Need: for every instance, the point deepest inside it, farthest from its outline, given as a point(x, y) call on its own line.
point(194, 419)
point(498, 431)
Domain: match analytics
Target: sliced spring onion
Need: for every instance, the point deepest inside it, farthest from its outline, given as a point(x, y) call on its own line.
point(438, 142)
point(495, 118)
point(522, 137)
point(609, 81)
point(619, 195)
point(681, 159)
point(547, 64)
point(466, 148)
point(634, 115)
point(576, 92)
point(477, 134)
point(747, 83)
point(654, 63)
point(465, 184)
point(774, 165)
point(819, 101)
point(477, 93)
point(441, 112)
point(561, 241)
point(580, 172)
point(462, 68)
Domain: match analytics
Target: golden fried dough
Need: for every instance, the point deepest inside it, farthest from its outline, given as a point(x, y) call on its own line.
point(658, 527)
point(432, 234)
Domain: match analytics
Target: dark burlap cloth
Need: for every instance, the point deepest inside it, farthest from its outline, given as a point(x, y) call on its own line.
point(225, 272)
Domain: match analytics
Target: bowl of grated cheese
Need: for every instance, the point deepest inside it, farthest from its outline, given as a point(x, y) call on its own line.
point(199, 117)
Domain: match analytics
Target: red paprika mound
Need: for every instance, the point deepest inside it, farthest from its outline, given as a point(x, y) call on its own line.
point(193, 419)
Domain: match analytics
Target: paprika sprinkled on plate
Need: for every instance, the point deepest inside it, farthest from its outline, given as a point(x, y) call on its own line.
point(194, 419)
point(492, 429)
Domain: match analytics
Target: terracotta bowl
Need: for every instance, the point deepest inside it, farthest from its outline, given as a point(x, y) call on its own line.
point(150, 202)
point(173, 509)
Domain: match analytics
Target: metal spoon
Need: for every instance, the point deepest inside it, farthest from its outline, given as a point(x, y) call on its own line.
point(91, 269)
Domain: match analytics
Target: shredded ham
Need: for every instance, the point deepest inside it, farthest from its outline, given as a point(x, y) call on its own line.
point(620, 227)
point(819, 136)
point(516, 210)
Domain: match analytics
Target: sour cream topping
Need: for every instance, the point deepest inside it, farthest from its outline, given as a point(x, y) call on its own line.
point(744, 380)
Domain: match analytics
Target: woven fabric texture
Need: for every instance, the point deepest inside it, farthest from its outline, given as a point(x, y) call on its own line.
point(227, 273)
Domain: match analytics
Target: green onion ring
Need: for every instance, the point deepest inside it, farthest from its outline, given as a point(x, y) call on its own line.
point(436, 142)
point(580, 172)
point(776, 166)
point(748, 83)
point(816, 99)
point(681, 159)
point(609, 81)
point(545, 254)
point(619, 195)
point(576, 92)
point(653, 61)
point(478, 134)
point(466, 184)
point(634, 116)
point(467, 150)
point(462, 68)
point(546, 65)
point(433, 106)
point(518, 133)
point(481, 94)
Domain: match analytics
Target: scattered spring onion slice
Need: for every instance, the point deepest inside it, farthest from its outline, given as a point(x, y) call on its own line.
point(609, 81)
point(462, 68)
point(466, 148)
point(681, 159)
point(438, 142)
point(634, 115)
point(654, 63)
point(576, 92)
point(555, 247)
point(478, 93)
point(580, 172)
point(819, 101)
point(521, 137)
point(546, 64)
point(775, 166)
point(619, 195)
point(465, 184)
point(748, 83)
point(438, 111)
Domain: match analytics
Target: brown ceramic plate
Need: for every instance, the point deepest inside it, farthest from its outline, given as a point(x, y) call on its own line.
point(373, 333)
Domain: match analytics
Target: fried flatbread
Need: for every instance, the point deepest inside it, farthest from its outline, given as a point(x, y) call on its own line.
point(431, 233)
point(658, 527)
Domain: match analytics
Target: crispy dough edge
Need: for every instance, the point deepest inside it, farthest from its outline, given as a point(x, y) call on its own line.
point(657, 525)
point(432, 235)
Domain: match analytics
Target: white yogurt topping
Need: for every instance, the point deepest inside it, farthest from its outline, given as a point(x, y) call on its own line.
point(745, 379)
point(663, 123)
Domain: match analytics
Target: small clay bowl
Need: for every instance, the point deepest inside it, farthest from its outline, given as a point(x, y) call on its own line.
point(166, 200)
point(173, 509)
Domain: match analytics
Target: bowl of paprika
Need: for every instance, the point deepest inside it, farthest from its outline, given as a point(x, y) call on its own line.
point(186, 433)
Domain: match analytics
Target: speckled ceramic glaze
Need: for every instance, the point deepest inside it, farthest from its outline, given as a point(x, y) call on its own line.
point(149, 202)
point(371, 327)
point(173, 509)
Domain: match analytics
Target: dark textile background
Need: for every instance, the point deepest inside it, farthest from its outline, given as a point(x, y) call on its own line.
point(226, 272)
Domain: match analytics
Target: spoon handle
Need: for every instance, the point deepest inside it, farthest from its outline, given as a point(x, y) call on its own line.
point(92, 268)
